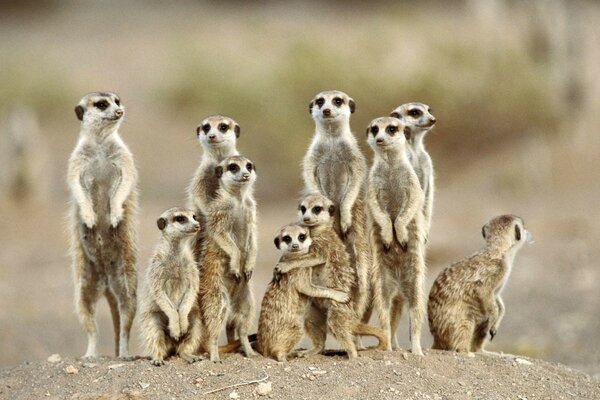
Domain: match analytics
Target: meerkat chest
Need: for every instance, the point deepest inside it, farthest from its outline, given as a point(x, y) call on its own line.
point(333, 169)
point(240, 221)
point(391, 181)
point(209, 183)
point(177, 282)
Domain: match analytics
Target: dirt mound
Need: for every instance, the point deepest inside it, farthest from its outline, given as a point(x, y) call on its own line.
point(375, 375)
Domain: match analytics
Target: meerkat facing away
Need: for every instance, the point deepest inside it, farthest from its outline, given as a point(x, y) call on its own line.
point(419, 121)
point(330, 264)
point(464, 301)
point(229, 257)
point(285, 300)
point(102, 178)
point(169, 313)
point(335, 167)
point(218, 136)
point(395, 201)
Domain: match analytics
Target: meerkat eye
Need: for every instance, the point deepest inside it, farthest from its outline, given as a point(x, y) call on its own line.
point(249, 167)
point(317, 209)
point(302, 209)
point(233, 168)
point(415, 113)
point(320, 101)
point(375, 130)
point(117, 102)
point(429, 110)
point(338, 101)
point(391, 129)
point(287, 239)
point(101, 105)
point(205, 128)
point(302, 237)
point(223, 127)
point(195, 218)
point(181, 219)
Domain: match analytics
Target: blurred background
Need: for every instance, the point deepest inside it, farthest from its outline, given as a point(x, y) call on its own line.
point(513, 85)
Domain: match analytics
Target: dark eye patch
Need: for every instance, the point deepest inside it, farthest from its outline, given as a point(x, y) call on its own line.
point(374, 130)
point(287, 239)
point(205, 128)
point(338, 101)
point(117, 101)
point(249, 166)
point(195, 218)
point(320, 101)
point(395, 115)
point(101, 105)
point(415, 113)
point(233, 167)
point(317, 209)
point(302, 237)
point(391, 129)
point(302, 209)
point(517, 232)
point(223, 127)
point(181, 219)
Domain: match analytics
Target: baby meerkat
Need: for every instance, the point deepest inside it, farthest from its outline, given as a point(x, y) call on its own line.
point(229, 257)
point(418, 119)
point(395, 201)
point(335, 167)
point(330, 264)
point(169, 313)
point(102, 179)
point(285, 300)
point(464, 302)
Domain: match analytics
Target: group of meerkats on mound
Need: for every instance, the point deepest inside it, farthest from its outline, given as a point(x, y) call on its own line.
point(358, 244)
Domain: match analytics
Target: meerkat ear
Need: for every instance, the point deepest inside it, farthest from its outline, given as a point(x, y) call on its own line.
point(161, 223)
point(79, 112)
point(407, 132)
point(218, 171)
point(198, 130)
point(236, 129)
point(310, 106)
point(352, 105)
point(517, 232)
point(276, 241)
point(484, 231)
point(367, 132)
point(396, 114)
point(331, 210)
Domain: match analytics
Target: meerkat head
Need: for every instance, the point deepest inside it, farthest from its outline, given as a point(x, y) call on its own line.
point(293, 238)
point(218, 131)
point(506, 231)
point(417, 116)
point(100, 110)
point(236, 172)
point(178, 222)
point(331, 106)
point(386, 133)
point(316, 209)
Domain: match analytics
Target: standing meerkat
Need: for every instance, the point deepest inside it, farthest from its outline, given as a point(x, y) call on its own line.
point(395, 201)
point(285, 300)
point(464, 302)
point(335, 167)
point(218, 136)
point(330, 264)
point(419, 121)
point(229, 257)
point(169, 313)
point(102, 179)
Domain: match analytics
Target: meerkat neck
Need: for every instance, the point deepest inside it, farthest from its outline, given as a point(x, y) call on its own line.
point(218, 154)
point(99, 134)
point(176, 244)
point(318, 229)
point(334, 128)
point(393, 155)
point(417, 141)
point(238, 192)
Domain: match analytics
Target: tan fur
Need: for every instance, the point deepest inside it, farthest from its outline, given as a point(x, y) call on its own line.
point(102, 179)
point(169, 312)
point(464, 302)
point(229, 258)
point(331, 267)
point(395, 203)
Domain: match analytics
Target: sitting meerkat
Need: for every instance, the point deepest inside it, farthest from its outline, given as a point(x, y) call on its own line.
point(284, 303)
point(331, 267)
point(169, 313)
point(464, 302)
point(229, 257)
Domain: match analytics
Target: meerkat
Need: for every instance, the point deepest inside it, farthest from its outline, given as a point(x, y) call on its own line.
point(464, 302)
point(102, 179)
point(330, 264)
point(395, 201)
point(335, 167)
point(169, 312)
point(229, 257)
point(285, 300)
point(419, 121)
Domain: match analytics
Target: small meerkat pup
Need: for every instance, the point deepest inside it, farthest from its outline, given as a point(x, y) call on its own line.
point(229, 258)
point(464, 302)
point(418, 119)
point(330, 264)
point(335, 167)
point(102, 179)
point(285, 300)
point(169, 313)
point(395, 201)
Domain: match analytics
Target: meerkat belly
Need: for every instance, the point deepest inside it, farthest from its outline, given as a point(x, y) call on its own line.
point(390, 196)
point(101, 184)
point(333, 172)
point(176, 288)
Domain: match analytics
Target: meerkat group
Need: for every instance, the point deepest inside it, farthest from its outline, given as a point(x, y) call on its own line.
point(358, 245)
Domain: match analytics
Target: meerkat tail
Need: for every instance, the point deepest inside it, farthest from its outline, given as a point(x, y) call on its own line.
point(368, 330)
point(235, 345)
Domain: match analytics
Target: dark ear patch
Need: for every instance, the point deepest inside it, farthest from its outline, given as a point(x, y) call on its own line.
point(161, 223)
point(517, 232)
point(198, 130)
point(331, 210)
point(79, 112)
point(352, 105)
point(236, 129)
point(310, 107)
point(407, 132)
point(218, 171)
point(276, 241)
point(396, 114)
point(368, 129)
point(484, 230)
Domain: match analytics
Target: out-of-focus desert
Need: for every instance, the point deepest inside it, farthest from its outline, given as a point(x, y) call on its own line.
point(514, 87)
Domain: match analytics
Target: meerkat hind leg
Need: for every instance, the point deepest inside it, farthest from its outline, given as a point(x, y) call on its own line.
point(315, 324)
point(114, 313)
point(191, 342)
point(87, 297)
point(395, 316)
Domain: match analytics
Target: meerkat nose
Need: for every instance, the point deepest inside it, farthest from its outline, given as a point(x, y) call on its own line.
point(306, 219)
point(379, 141)
point(327, 112)
point(295, 246)
point(246, 176)
point(118, 113)
point(212, 136)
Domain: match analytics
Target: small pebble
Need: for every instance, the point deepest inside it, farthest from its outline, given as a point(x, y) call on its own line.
point(144, 385)
point(405, 356)
point(71, 370)
point(54, 358)
point(234, 395)
point(264, 388)
point(523, 361)
point(115, 366)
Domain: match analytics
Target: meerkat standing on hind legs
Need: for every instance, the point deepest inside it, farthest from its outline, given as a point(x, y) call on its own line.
point(102, 179)
point(464, 302)
point(169, 313)
point(335, 167)
point(229, 257)
point(395, 201)
point(419, 121)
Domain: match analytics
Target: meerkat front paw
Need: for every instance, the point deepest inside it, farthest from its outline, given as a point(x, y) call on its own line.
point(184, 325)
point(493, 332)
point(190, 358)
point(277, 273)
point(401, 236)
point(345, 223)
point(341, 297)
point(387, 236)
point(174, 329)
point(116, 216)
point(247, 275)
point(157, 362)
point(89, 218)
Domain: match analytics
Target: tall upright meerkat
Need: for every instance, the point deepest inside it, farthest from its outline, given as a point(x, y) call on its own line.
point(464, 302)
point(218, 136)
point(169, 312)
point(229, 257)
point(419, 121)
point(285, 300)
point(330, 264)
point(102, 178)
point(395, 201)
point(335, 167)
